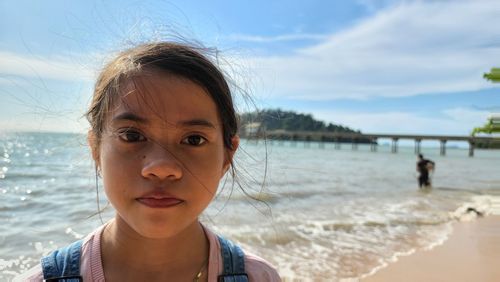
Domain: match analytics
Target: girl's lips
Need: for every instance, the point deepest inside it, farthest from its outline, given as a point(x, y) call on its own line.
point(154, 202)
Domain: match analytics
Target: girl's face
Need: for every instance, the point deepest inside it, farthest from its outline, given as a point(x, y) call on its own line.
point(162, 154)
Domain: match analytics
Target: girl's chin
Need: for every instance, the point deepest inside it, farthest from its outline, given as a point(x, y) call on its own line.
point(159, 230)
point(154, 226)
point(163, 233)
point(156, 231)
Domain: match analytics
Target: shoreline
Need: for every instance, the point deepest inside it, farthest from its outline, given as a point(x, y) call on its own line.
point(471, 253)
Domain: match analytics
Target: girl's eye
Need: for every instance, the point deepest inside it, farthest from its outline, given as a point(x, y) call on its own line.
point(194, 140)
point(131, 136)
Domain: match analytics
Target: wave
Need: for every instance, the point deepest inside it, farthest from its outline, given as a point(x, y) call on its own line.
point(25, 176)
point(273, 197)
point(322, 226)
point(453, 189)
point(478, 206)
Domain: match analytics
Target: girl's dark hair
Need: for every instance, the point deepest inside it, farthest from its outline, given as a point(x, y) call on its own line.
point(175, 58)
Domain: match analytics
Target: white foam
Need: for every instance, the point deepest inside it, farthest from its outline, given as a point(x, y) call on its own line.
point(495, 205)
point(483, 204)
point(349, 279)
point(39, 247)
point(441, 239)
point(70, 231)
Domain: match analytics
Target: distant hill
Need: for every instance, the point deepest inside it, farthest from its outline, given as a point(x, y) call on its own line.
point(274, 119)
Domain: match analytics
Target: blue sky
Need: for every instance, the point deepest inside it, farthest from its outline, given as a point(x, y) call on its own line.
point(377, 66)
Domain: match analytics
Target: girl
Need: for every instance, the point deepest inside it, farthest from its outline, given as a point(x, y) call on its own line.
point(163, 134)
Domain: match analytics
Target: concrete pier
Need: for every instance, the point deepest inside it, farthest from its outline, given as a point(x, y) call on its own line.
point(369, 138)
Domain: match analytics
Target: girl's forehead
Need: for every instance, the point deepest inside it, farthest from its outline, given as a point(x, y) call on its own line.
point(167, 97)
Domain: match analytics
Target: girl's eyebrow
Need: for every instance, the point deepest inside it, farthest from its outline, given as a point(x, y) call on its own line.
point(196, 122)
point(130, 116)
point(184, 123)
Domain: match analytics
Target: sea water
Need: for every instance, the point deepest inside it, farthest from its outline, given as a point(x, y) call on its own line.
point(313, 211)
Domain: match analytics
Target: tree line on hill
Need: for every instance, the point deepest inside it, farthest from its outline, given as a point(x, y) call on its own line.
point(290, 121)
point(274, 119)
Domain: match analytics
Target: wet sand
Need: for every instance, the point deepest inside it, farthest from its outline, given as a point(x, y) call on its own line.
point(472, 253)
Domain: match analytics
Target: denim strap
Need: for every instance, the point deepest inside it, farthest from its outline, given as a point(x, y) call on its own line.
point(233, 262)
point(64, 264)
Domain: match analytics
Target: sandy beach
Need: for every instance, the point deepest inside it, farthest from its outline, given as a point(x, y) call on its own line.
point(472, 253)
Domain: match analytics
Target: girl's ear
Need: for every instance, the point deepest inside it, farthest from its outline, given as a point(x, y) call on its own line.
point(94, 147)
point(235, 142)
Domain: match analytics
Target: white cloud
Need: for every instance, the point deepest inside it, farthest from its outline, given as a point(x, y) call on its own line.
point(464, 115)
point(408, 49)
point(454, 121)
point(58, 68)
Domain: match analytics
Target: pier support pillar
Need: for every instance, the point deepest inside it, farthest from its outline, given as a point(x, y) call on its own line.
point(442, 147)
point(373, 145)
point(471, 148)
point(417, 146)
point(337, 144)
point(307, 142)
point(394, 148)
point(322, 142)
point(354, 144)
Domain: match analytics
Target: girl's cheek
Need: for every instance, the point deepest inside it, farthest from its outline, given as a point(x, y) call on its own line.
point(118, 159)
point(118, 148)
point(209, 163)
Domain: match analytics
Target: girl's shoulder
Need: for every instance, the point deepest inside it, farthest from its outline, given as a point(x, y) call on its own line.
point(90, 244)
point(257, 268)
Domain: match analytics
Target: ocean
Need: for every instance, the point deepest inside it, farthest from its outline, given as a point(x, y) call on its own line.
point(316, 213)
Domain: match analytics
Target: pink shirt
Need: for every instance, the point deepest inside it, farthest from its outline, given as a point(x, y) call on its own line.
point(91, 265)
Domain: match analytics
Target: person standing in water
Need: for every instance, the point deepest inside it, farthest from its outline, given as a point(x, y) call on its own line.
point(424, 166)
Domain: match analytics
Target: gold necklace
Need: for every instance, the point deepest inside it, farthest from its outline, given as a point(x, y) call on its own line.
point(200, 273)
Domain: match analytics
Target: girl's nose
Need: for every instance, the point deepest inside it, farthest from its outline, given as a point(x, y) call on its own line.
point(160, 164)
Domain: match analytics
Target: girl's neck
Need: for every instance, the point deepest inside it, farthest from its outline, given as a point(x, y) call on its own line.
point(123, 248)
